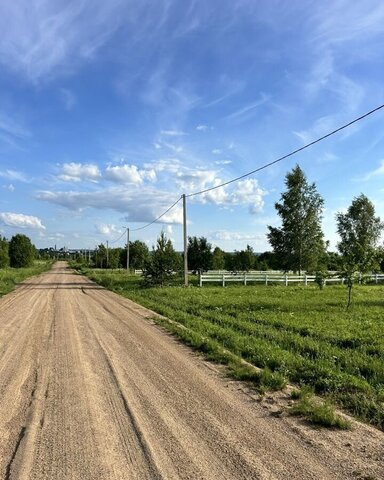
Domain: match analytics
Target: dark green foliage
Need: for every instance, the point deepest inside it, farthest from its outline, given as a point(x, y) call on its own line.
point(21, 251)
point(334, 262)
point(268, 261)
point(114, 255)
point(299, 243)
point(4, 255)
point(138, 255)
point(244, 260)
point(162, 264)
point(199, 254)
point(218, 259)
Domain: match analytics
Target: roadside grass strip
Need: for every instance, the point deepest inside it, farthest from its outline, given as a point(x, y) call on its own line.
point(301, 335)
point(10, 277)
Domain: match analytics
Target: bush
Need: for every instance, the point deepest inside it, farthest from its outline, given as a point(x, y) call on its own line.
point(21, 251)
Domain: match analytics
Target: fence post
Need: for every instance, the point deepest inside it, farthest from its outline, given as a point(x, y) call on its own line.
point(245, 278)
point(305, 280)
point(266, 279)
point(286, 280)
point(376, 281)
point(223, 280)
point(200, 279)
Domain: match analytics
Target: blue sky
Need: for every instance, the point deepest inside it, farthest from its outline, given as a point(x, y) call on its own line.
point(109, 111)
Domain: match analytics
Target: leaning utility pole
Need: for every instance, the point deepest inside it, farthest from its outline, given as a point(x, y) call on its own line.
point(185, 241)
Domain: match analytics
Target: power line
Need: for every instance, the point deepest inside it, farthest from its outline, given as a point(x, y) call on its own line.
point(294, 152)
point(117, 239)
point(288, 154)
point(158, 218)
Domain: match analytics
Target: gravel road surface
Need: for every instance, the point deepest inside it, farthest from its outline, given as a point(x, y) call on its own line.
point(91, 388)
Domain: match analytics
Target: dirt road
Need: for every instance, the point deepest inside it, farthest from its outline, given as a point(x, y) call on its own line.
point(90, 388)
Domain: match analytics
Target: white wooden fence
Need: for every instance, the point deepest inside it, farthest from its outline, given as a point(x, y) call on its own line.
point(271, 277)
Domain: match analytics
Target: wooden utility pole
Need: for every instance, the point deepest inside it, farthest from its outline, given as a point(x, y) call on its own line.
point(127, 250)
point(185, 241)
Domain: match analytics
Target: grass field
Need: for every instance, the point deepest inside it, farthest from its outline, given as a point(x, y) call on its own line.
point(301, 334)
point(10, 277)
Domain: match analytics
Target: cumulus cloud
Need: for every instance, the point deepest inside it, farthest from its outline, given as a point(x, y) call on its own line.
point(140, 205)
point(244, 192)
point(9, 187)
point(129, 174)
point(107, 229)
point(75, 172)
point(20, 220)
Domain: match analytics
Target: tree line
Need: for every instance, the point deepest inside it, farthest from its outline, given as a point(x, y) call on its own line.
point(18, 252)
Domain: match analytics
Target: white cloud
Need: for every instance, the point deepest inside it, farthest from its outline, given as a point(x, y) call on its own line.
point(40, 39)
point(75, 172)
point(223, 162)
point(216, 151)
point(203, 128)
point(107, 229)
point(142, 204)
point(173, 133)
point(20, 220)
point(228, 236)
point(12, 129)
point(189, 180)
point(244, 192)
point(13, 175)
point(9, 187)
point(129, 174)
point(248, 110)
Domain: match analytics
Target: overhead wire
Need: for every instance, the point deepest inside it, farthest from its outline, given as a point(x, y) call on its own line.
point(117, 239)
point(158, 218)
point(288, 154)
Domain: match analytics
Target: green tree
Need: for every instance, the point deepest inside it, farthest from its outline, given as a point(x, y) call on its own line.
point(21, 251)
point(100, 256)
point(4, 255)
point(267, 261)
point(162, 264)
point(199, 254)
point(138, 255)
point(114, 256)
point(299, 243)
point(359, 230)
point(218, 259)
point(244, 260)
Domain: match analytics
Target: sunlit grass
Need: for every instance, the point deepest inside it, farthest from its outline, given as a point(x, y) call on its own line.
point(303, 334)
point(10, 277)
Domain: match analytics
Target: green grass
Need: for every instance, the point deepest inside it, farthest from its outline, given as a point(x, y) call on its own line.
point(316, 412)
point(302, 334)
point(10, 277)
